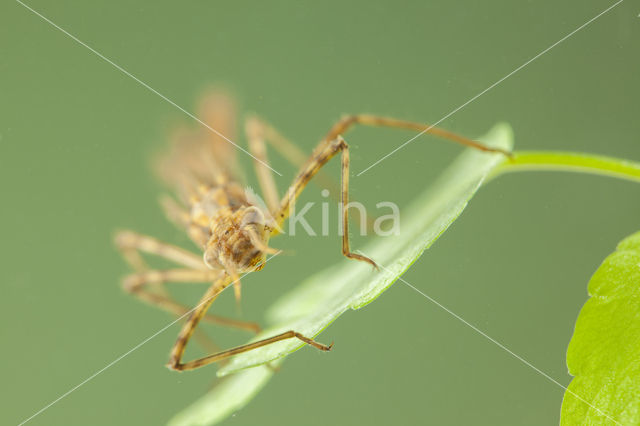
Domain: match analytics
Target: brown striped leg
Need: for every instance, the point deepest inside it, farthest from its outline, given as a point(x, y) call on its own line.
point(344, 203)
point(333, 143)
point(286, 149)
point(221, 356)
point(321, 155)
point(138, 284)
point(347, 122)
point(175, 359)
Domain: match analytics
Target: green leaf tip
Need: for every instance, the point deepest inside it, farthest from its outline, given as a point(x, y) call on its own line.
point(320, 299)
point(604, 352)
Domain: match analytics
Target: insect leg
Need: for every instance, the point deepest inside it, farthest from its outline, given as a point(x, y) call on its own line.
point(175, 359)
point(321, 155)
point(175, 212)
point(285, 147)
point(221, 356)
point(288, 150)
point(138, 284)
point(131, 244)
point(291, 153)
point(347, 122)
point(256, 136)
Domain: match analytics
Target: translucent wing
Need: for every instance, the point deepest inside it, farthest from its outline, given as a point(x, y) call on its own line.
point(200, 156)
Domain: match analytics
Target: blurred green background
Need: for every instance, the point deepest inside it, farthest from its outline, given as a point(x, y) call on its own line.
point(76, 137)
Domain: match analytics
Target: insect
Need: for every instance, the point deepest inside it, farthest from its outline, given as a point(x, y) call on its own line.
point(230, 229)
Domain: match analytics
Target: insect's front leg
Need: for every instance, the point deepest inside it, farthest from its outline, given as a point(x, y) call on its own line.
point(175, 359)
point(131, 244)
point(321, 156)
point(139, 285)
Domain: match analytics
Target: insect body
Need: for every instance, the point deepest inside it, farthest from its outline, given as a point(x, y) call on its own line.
point(231, 227)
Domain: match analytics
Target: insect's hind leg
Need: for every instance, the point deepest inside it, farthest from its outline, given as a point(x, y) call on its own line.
point(175, 359)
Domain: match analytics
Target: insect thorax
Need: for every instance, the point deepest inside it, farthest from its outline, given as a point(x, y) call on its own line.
point(231, 230)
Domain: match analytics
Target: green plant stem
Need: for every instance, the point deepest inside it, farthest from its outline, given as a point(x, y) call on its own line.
point(569, 161)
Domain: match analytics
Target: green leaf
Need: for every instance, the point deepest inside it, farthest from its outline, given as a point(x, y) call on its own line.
point(318, 301)
point(604, 352)
point(226, 397)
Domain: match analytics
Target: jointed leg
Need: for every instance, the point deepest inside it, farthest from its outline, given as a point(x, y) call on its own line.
point(342, 126)
point(255, 131)
point(221, 356)
point(267, 133)
point(131, 244)
point(344, 203)
point(138, 283)
point(322, 154)
point(285, 147)
point(333, 143)
point(175, 359)
point(175, 212)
